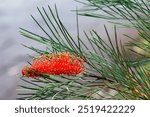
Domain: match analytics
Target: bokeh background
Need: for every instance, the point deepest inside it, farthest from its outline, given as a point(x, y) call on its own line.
point(15, 14)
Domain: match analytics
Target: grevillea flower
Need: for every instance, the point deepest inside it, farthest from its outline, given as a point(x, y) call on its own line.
point(54, 64)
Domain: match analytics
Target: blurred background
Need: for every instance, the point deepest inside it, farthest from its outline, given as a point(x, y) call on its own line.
point(15, 14)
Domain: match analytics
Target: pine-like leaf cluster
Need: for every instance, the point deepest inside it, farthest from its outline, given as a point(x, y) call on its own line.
point(109, 72)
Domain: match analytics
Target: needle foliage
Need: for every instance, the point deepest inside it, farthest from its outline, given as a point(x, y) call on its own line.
point(107, 65)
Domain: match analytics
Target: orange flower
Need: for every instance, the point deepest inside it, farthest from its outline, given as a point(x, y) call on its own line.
point(54, 64)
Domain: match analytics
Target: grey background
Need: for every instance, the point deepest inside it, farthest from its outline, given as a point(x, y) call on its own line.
point(15, 14)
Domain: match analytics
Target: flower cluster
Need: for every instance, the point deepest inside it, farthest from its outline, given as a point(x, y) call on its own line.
point(54, 64)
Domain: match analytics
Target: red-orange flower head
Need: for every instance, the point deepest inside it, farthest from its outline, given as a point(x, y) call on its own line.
point(55, 64)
